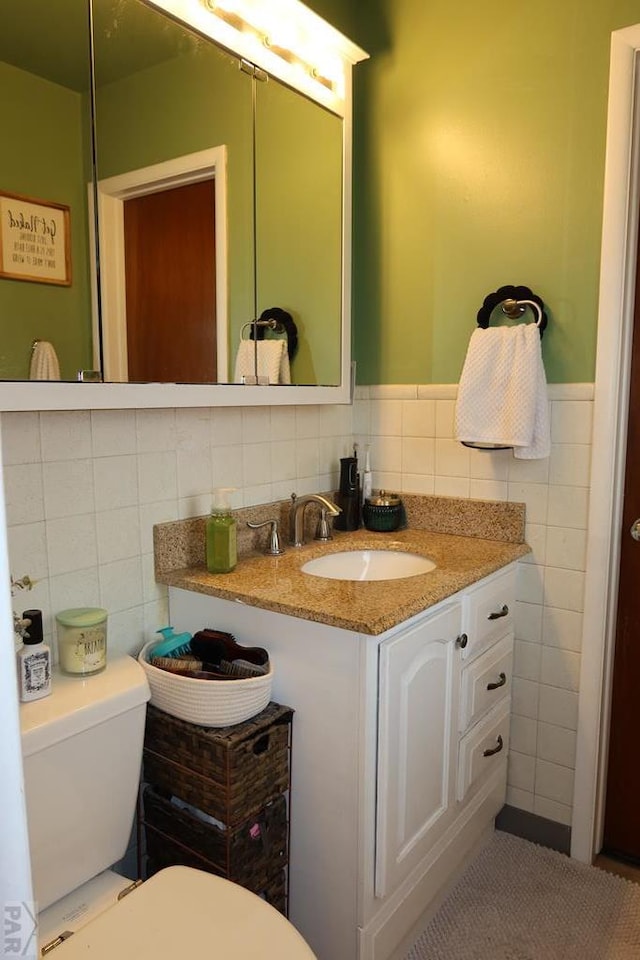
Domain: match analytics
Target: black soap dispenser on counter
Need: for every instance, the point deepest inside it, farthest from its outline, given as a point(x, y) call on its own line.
point(348, 497)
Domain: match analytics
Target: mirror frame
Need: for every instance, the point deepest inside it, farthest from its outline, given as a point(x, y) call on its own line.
point(249, 45)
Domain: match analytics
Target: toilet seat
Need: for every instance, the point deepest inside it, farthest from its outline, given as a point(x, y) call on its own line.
point(182, 912)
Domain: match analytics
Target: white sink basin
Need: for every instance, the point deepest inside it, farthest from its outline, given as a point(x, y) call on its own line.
point(368, 565)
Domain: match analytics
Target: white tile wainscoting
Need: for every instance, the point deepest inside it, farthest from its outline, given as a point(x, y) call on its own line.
point(410, 430)
point(83, 490)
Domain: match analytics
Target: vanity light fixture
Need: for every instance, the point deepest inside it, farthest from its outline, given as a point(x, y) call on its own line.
point(282, 37)
point(273, 26)
point(227, 13)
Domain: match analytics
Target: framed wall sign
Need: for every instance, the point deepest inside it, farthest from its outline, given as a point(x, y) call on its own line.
point(34, 240)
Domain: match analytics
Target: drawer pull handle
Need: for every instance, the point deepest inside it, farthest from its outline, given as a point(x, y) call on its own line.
point(499, 683)
point(493, 750)
point(501, 613)
point(462, 641)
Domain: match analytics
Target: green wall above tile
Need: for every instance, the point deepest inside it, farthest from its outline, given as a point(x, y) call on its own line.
point(479, 160)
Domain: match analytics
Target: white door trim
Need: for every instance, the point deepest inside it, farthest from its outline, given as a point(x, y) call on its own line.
point(112, 192)
point(15, 865)
point(615, 328)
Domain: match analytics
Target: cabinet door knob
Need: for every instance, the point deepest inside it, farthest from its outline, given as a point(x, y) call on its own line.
point(504, 612)
point(493, 750)
point(462, 641)
point(498, 683)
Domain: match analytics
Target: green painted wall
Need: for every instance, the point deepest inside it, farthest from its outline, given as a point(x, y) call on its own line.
point(479, 161)
point(341, 14)
point(44, 156)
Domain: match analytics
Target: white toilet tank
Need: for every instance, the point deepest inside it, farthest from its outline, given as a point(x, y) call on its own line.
point(82, 751)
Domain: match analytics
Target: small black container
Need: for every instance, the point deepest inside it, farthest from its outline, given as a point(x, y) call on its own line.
point(383, 512)
point(348, 496)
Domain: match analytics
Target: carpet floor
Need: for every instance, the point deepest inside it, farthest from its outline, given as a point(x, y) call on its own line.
point(520, 901)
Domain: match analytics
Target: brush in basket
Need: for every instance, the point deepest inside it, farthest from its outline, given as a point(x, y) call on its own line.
point(190, 666)
point(222, 650)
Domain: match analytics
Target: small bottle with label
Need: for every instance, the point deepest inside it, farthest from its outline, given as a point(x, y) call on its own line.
point(34, 660)
point(221, 534)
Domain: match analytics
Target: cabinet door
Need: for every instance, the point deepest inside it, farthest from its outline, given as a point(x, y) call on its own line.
point(418, 682)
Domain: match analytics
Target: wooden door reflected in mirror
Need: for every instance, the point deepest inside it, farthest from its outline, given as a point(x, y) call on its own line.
point(170, 284)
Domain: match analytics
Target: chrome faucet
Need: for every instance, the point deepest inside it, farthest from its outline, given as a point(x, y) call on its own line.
point(298, 505)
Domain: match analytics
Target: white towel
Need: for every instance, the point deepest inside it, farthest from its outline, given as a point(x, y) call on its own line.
point(44, 362)
point(273, 360)
point(502, 395)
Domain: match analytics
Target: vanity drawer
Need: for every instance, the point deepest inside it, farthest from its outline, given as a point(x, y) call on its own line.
point(483, 749)
point(488, 613)
point(485, 682)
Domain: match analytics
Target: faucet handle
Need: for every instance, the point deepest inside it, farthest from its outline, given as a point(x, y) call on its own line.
point(323, 530)
point(274, 547)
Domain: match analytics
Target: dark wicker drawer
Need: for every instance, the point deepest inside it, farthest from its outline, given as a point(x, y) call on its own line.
point(249, 854)
point(229, 773)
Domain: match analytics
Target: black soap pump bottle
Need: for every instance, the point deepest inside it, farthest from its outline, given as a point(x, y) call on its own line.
point(348, 495)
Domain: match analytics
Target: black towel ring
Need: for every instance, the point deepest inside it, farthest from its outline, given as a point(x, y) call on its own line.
point(277, 319)
point(514, 302)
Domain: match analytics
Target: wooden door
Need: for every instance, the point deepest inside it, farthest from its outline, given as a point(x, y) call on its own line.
point(170, 284)
point(622, 807)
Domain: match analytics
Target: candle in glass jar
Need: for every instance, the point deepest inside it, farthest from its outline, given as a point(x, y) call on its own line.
point(82, 640)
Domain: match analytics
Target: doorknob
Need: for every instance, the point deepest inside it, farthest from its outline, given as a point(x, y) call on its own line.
point(635, 529)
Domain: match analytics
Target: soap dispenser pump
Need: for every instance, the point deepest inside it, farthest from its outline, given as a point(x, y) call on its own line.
point(33, 660)
point(221, 534)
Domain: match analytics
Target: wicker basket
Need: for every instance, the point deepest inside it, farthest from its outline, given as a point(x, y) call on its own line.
point(248, 854)
point(229, 774)
point(209, 703)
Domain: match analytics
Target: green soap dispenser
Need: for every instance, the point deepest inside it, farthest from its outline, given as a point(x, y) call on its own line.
point(221, 543)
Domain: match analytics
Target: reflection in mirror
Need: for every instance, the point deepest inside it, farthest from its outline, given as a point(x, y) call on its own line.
point(172, 110)
point(173, 116)
point(178, 275)
point(299, 224)
point(46, 158)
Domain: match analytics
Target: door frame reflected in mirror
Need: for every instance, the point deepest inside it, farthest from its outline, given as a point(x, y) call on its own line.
point(112, 194)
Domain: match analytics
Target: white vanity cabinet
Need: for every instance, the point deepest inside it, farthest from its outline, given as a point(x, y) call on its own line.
point(397, 768)
point(416, 743)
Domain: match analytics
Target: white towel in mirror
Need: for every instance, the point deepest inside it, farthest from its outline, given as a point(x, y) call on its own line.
point(273, 360)
point(44, 362)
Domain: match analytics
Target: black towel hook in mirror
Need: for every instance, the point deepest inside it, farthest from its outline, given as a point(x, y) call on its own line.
point(513, 300)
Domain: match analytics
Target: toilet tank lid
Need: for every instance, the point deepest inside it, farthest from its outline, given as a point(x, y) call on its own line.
point(77, 703)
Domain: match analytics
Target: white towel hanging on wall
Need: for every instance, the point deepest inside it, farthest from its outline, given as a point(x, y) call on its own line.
point(44, 361)
point(502, 395)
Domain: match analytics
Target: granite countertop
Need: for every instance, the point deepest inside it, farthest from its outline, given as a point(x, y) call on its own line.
point(370, 607)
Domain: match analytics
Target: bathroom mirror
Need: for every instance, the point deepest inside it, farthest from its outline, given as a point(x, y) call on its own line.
point(46, 157)
point(170, 104)
point(299, 224)
point(175, 173)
